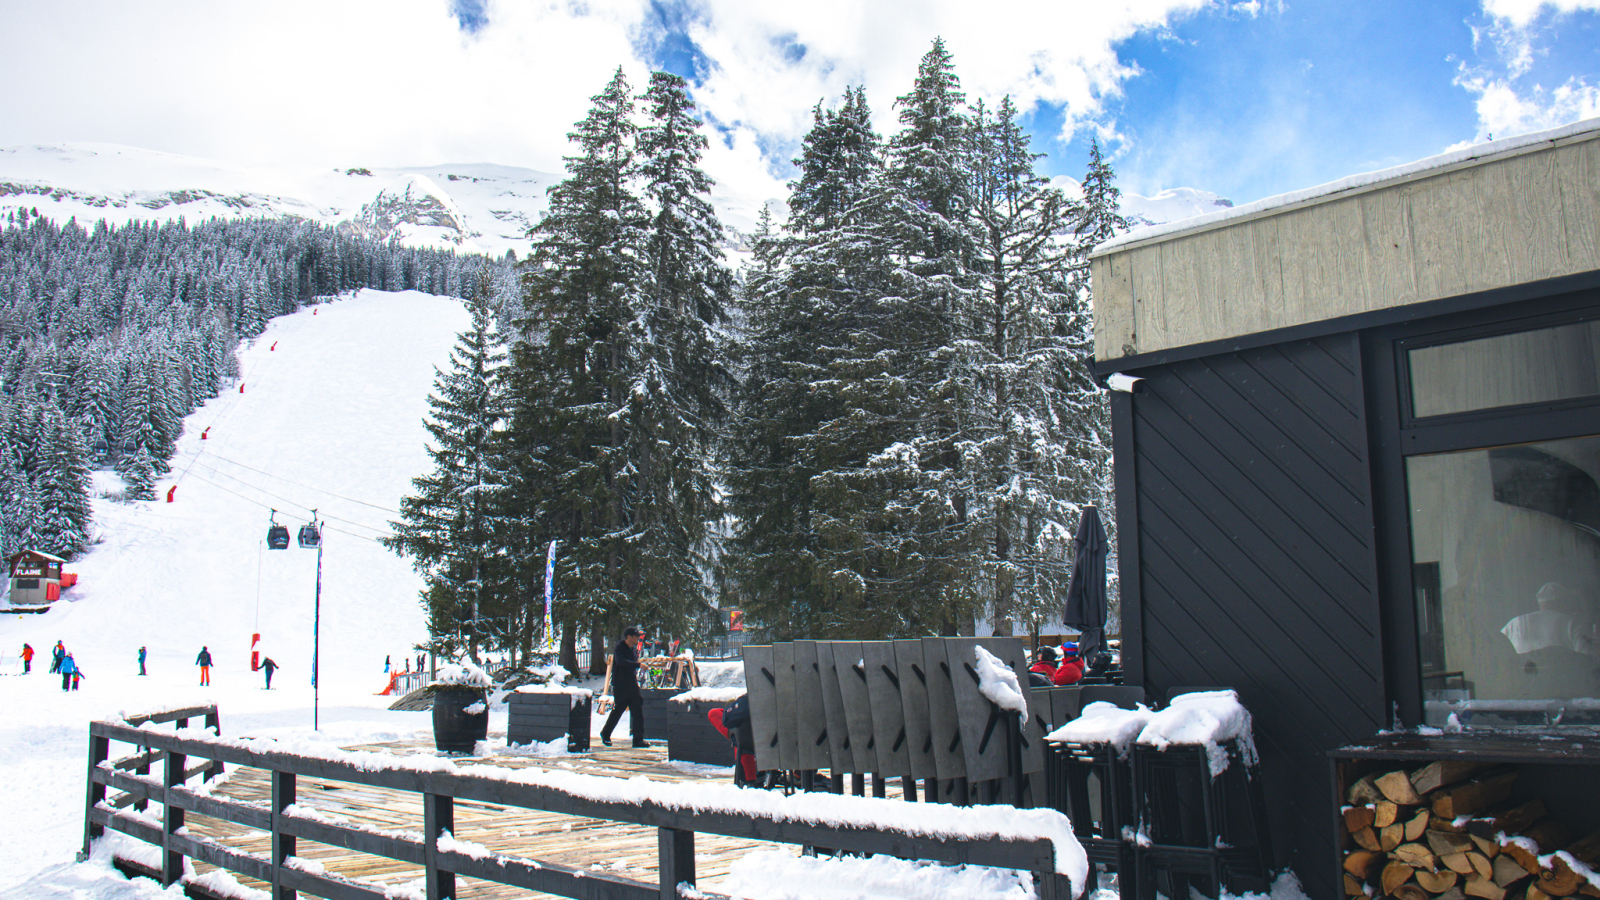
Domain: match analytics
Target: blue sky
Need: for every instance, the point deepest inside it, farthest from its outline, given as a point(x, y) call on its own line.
point(1245, 98)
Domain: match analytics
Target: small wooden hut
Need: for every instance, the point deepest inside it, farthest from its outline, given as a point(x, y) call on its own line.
point(35, 577)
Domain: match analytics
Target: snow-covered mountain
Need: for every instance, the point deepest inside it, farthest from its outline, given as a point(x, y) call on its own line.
point(474, 207)
point(1171, 205)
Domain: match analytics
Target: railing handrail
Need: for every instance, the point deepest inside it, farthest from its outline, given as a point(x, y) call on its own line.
point(443, 786)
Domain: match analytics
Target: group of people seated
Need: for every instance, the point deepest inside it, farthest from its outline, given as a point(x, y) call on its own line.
point(1056, 669)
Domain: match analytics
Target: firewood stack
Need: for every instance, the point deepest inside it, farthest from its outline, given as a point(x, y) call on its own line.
point(1447, 831)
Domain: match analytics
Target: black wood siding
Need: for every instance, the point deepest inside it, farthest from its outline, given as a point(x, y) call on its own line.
point(1255, 564)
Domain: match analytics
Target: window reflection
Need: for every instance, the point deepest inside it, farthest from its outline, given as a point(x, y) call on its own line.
point(1506, 567)
point(1536, 366)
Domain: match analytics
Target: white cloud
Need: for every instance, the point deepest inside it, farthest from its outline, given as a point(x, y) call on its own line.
point(396, 82)
point(1521, 13)
point(1509, 99)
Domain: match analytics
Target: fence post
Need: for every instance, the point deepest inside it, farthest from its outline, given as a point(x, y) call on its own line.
point(213, 725)
point(438, 816)
point(143, 769)
point(99, 752)
point(675, 861)
point(172, 819)
point(283, 845)
point(1054, 885)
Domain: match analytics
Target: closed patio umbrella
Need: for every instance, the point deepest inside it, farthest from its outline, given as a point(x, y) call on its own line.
point(1086, 593)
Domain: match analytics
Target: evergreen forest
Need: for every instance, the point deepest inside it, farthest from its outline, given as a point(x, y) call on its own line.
point(111, 335)
point(883, 425)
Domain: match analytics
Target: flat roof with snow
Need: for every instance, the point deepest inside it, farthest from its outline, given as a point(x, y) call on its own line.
point(1489, 216)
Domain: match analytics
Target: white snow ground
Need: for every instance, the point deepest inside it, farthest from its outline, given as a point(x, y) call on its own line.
point(335, 415)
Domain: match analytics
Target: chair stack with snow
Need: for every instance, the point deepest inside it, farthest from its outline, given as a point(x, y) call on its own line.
point(1198, 797)
point(947, 712)
point(1089, 775)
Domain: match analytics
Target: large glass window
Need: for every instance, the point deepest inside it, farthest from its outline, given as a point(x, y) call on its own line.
point(1538, 366)
point(1505, 545)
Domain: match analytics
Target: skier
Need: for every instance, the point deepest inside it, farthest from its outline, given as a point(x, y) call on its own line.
point(204, 662)
point(77, 673)
point(56, 655)
point(269, 666)
point(141, 661)
point(66, 668)
point(386, 665)
point(27, 659)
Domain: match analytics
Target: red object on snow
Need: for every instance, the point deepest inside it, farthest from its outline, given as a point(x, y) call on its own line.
point(68, 579)
point(170, 491)
point(203, 434)
point(313, 312)
point(241, 387)
point(255, 655)
point(273, 347)
point(52, 592)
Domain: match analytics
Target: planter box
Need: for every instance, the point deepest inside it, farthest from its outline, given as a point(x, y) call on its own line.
point(547, 715)
point(657, 708)
point(692, 738)
point(454, 729)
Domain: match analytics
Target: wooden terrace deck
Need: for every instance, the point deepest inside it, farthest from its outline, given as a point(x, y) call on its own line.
point(628, 850)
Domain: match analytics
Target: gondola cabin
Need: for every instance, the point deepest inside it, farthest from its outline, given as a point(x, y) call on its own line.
point(1358, 480)
point(36, 578)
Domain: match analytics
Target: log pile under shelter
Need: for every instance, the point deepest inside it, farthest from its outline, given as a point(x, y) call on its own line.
point(1450, 830)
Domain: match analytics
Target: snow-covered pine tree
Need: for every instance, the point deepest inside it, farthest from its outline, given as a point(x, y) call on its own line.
point(63, 489)
point(808, 299)
point(894, 514)
point(577, 359)
point(138, 475)
point(679, 396)
point(1025, 465)
point(447, 527)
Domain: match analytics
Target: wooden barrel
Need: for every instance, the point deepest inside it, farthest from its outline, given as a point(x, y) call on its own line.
point(455, 730)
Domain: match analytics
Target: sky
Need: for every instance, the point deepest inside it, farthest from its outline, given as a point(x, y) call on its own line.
point(1245, 99)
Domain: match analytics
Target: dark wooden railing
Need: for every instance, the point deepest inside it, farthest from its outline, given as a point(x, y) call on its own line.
point(676, 828)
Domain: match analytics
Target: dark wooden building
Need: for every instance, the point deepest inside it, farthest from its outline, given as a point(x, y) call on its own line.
point(1358, 479)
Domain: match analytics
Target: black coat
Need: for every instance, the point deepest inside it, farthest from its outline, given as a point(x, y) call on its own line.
point(624, 671)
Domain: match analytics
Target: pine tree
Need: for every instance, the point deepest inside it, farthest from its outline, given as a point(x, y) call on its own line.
point(894, 525)
point(679, 396)
point(575, 367)
point(808, 298)
point(1026, 458)
point(447, 527)
point(63, 490)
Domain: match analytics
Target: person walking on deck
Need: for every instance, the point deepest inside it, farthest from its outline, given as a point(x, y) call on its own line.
point(625, 688)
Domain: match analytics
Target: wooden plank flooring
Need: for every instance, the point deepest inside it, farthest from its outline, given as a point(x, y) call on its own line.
point(626, 850)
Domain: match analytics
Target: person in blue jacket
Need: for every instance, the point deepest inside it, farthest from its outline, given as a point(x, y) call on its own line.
point(141, 660)
point(67, 668)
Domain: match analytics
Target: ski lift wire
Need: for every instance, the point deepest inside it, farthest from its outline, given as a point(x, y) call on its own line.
point(256, 502)
point(278, 497)
point(299, 485)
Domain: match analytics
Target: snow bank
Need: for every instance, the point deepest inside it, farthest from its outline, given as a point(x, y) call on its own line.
point(777, 875)
point(577, 695)
point(463, 674)
point(1104, 723)
point(1205, 718)
point(710, 694)
point(998, 682)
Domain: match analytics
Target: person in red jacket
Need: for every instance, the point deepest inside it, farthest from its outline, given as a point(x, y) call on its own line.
point(1044, 668)
point(1071, 669)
